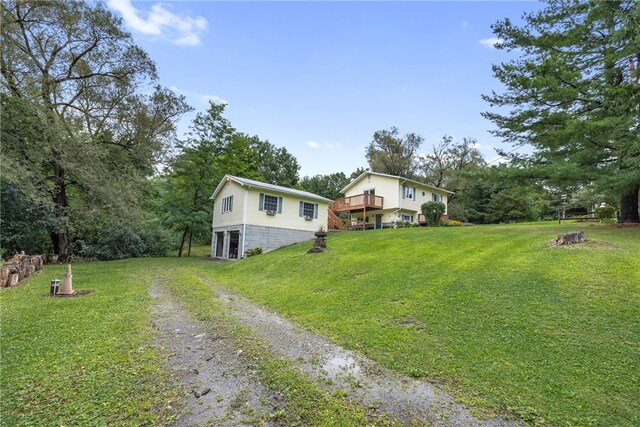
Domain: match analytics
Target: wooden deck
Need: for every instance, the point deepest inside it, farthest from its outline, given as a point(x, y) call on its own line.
point(357, 203)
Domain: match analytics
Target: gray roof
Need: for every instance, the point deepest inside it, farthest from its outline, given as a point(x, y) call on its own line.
point(362, 175)
point(269, 187)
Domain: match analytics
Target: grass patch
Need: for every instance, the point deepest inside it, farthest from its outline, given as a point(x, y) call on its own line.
point(88, 360)
point(503, 319)
point(494, 313)
point(303, 402)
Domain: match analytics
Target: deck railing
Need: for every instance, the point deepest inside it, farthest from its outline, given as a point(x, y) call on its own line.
point(361, 201)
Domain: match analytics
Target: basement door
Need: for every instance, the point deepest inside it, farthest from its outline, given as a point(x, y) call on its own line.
point(219, 244)
point(234, 243)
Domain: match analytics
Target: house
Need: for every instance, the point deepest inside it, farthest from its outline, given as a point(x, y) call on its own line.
point(377, 200)
point(250, 214)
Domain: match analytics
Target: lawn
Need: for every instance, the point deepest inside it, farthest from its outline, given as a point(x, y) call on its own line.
point(493, 313)
point(86, 360)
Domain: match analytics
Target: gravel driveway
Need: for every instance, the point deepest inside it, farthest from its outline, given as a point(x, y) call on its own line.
point(236, 397)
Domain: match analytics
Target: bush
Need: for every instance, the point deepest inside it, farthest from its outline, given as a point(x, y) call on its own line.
point(406, 224)
point(605, 213)
point(453, 223)
point(252, 252)
point(120, 241)
point(433, 212)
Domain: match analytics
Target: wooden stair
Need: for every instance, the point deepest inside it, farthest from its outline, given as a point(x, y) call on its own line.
point(335, 223)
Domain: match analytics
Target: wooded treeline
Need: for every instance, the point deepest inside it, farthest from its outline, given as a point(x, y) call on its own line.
point(92, 166)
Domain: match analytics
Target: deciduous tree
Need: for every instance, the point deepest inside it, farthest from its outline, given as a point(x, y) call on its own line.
point(393, 154)
point(83, 76)
point(328, 186)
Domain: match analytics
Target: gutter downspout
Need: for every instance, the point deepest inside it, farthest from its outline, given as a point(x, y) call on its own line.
point(213, 214)
point(244, 219)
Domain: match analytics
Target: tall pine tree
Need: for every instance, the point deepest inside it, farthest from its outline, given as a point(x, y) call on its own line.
point(574, 94)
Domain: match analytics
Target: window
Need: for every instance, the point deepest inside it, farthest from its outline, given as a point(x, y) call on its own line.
point(308, 210)
point(436, 197)
point(227, 204)
point(271, 204)
point(408, 192)
point(407, 218)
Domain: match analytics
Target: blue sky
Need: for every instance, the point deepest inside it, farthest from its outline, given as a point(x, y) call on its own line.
point(319, 78)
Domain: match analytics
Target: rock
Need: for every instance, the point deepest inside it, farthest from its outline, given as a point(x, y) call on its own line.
point(199, 394)
point(570, 238)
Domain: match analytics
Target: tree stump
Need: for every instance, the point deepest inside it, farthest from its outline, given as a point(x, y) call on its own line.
point(570, 238)
point(319, 245)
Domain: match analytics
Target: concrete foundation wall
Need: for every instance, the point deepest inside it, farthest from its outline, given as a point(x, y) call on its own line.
point(267, 238)
point(270, 238)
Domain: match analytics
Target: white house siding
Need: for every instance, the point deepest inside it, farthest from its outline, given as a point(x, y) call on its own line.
point(255, 228)
point(384, 186)
point(416, 205)
point(395, 205)
point(290, 217)
point(235, 216)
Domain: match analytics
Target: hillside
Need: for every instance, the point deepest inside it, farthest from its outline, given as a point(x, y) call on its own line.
point(495, 313)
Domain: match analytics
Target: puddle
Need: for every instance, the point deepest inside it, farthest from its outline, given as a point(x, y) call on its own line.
point(340, 365)
point(410, 401)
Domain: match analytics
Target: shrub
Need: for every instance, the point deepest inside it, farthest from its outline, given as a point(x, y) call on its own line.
point(605, 213)
point(405, 224)
point(433, 212)
point(252, 252)
point(120, 241)
point(453, 223)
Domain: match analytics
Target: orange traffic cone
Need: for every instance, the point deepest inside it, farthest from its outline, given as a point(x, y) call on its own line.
point(67, 289)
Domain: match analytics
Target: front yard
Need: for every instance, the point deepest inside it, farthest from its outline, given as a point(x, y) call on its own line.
point(493, 313)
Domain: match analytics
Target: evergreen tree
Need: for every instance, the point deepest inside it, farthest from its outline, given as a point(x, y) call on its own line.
point(574, 94)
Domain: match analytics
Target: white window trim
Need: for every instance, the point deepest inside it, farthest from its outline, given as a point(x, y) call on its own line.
point(406, 218)
point(314, 210)
point(263, 202)
point(404, 192)
point(227, 204)
point(264, 206)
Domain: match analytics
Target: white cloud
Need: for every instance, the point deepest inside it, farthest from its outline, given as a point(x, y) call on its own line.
point(499, 160)
point(332, 147)
point(215, 98)
point(202, 97)
point(491, 42)
point(161, 22)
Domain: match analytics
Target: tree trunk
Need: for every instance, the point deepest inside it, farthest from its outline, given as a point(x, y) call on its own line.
point(190, 238)
point(60, 236)
point(629, 206)
point(184, 236)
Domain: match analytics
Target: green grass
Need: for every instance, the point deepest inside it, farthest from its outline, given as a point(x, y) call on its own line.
point(303, 401)
point(86, 360)
point(91, 360)
point(493, 313)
